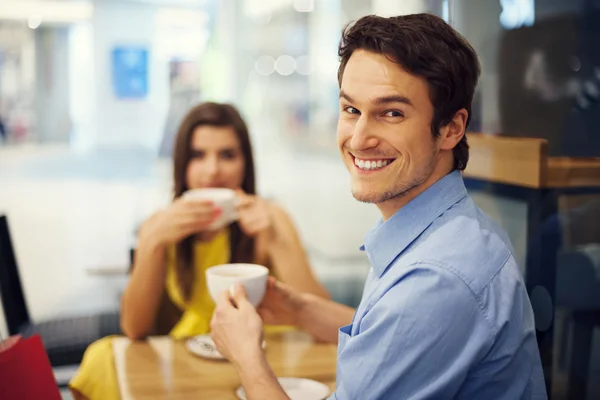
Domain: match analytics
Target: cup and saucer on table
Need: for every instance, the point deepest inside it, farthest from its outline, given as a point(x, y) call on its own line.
point(203, 346)
point(254, 279)
point(297, 389)
point(223, 277)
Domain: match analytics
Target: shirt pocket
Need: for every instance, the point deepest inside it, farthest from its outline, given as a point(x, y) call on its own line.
point(344, 335)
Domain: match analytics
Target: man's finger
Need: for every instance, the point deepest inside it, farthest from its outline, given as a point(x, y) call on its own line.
point(224, 299)
point(272, 282)
point(265, 314)
point(240, 297)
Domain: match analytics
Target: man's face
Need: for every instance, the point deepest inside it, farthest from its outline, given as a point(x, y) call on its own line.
point(384, 128)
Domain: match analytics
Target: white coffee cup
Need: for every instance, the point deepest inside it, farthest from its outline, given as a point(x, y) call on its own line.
point(225, 199)
point(223, 277)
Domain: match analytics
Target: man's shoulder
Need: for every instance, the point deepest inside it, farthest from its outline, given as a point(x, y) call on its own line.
point(467, 242)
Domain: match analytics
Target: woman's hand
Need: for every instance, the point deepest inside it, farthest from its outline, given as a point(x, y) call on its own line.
point(254, 214)
point(183, 218)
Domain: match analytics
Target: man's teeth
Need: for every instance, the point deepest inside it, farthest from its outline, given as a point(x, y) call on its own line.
point(371, 164)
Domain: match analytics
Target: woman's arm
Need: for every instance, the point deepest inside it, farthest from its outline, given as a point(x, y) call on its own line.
point(141, 299)
point(283, 250)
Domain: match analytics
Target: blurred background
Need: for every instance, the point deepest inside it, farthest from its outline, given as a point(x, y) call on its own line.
point(92, 92)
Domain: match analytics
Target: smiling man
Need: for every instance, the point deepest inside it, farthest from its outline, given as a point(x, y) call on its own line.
point(444, 313)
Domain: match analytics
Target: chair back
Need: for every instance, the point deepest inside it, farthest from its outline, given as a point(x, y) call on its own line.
point(11, 291)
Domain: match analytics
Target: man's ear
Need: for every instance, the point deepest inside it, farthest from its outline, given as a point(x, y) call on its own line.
point(453, 132)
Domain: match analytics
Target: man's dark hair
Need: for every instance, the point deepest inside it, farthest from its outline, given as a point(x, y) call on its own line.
point(426, 46)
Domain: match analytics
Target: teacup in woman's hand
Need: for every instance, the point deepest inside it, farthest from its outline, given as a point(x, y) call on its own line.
point(225, 199)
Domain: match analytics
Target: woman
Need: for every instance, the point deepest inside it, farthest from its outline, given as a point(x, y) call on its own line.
point(167, 292)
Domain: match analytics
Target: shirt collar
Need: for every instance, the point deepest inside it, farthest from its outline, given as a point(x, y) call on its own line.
point(387, 240)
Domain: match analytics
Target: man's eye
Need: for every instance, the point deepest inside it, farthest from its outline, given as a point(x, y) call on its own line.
point(351, 110)
point(393, 113)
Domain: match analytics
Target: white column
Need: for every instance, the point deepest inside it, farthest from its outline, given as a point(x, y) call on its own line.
point(52, 84)
point(325, 25)
point(127, 122)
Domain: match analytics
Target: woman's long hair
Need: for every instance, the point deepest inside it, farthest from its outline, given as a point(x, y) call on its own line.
point(221, 115)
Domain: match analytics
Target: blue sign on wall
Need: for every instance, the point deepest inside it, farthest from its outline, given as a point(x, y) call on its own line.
point(130, 72)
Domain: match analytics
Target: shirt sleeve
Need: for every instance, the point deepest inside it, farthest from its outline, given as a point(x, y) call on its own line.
point(416, 341)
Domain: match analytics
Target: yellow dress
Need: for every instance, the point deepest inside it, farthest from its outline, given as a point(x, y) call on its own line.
point(96, 377)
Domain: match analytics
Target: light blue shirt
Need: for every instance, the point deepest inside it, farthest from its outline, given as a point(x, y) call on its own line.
point(444, 313)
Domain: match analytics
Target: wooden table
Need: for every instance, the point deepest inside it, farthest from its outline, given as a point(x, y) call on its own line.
point(524, 162)
point(162, 368)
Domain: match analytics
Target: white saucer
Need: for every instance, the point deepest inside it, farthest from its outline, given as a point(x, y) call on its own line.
point(297, 389)
point(204, 346)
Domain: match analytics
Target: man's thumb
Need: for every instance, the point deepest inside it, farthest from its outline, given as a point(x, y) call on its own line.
point(238, 293)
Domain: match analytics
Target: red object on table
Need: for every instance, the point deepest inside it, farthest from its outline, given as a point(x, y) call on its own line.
point(25, 371)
